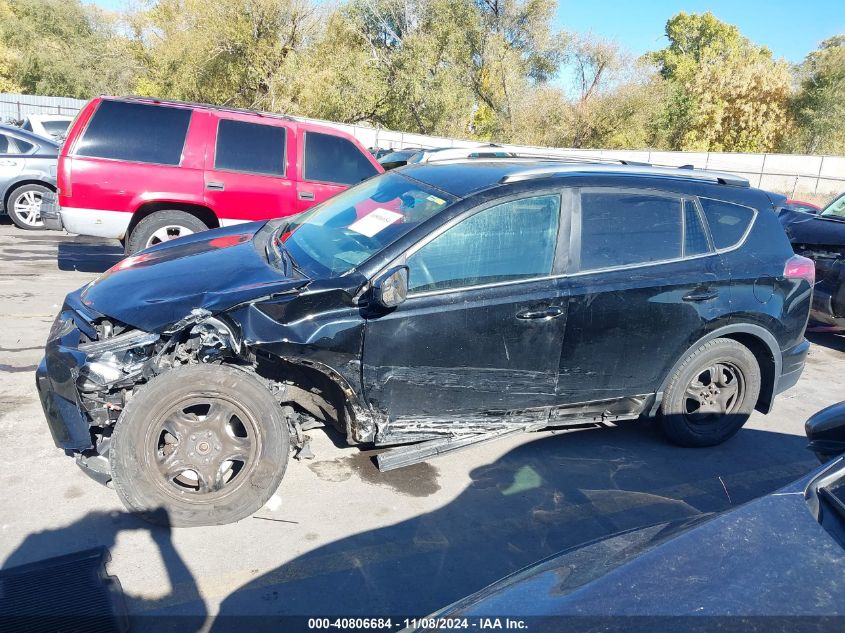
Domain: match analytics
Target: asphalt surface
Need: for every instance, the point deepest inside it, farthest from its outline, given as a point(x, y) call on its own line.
point(339, 537)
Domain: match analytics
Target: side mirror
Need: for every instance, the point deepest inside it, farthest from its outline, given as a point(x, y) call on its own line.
point(391, 288)
point(826, 432)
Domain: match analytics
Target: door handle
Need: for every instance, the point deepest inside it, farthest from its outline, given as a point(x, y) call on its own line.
point(701, 294)
point(8, 163)
point(546, 313)
point(215, 185)
point(305, 195)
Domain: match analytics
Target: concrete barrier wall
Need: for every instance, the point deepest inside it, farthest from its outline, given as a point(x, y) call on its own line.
point(793, 174)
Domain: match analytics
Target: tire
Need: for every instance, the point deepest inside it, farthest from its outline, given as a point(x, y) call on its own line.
point(160, 438)
point(24, 204)
point(162, 226)
point(694, 413)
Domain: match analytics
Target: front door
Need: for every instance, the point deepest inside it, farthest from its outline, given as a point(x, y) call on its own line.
point(330, 164)
point(482, 327)
point(648, 282)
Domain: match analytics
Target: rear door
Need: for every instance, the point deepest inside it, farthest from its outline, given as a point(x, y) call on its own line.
point(482, 327)
point(647, 282)
point(329, 164)
point(246, 175)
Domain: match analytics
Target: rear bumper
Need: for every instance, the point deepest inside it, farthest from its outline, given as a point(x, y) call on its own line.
point(97, 222)
point(50, 212)
point(794, 359)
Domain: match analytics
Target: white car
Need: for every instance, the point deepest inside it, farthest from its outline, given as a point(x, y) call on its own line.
point(52, 126)
point(451, 153)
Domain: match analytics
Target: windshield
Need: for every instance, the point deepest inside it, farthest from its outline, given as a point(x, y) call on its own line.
point(341, 233)
point(835, 209)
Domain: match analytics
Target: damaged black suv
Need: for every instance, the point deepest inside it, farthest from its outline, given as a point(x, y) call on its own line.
point(427, 309)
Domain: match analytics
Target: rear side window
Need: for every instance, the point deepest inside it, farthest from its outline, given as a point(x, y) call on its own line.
point(622, 228)
point(136, 132)
point(728, 222)
point(511, 241)
point(250, 147)
point(334, 159)
point(695, 237)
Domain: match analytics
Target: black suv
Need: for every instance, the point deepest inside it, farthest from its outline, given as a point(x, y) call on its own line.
point(428, 308)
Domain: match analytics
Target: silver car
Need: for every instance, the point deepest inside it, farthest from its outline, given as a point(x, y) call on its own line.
point(27, 175)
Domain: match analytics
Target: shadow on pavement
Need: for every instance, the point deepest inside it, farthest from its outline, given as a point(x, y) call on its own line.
point(831, 340)
point(542, 497)
point(89, 256)
point(100, 529)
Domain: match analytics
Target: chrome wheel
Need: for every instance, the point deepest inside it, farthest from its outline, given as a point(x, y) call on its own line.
point(715, 391)
point(204, 448)
point(28, 208)
point(167, 233)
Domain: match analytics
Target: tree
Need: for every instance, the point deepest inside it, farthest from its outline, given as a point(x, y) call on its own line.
point(230, 52)
point(62, 47)
point(819, 106)
point(725, 93)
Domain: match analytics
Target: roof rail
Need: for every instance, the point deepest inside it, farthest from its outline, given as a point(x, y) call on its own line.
point(207, 106)
point(550, 171)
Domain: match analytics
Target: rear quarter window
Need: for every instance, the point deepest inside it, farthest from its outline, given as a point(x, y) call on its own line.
point(728, 222)
point(136, 132)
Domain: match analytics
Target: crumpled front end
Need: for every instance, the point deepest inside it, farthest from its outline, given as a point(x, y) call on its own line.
point(93, 364)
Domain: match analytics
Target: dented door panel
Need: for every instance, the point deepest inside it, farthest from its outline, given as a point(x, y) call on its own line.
point(453, 353)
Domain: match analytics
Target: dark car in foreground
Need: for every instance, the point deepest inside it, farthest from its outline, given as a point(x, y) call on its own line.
point(774, 564)
point(27, 175)
point(821, 238)
point(431, 308)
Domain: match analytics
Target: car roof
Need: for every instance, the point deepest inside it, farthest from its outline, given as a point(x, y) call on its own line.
point(326, 128)
point(464, 177)
point(35, 139)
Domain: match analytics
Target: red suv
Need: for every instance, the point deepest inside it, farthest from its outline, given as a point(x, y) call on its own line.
point(146, 171)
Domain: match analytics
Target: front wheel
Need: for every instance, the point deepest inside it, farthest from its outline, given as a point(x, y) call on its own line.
point(712, 395)
point(203, 444)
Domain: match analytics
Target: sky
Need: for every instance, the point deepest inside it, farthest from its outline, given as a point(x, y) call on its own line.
point(790, 28)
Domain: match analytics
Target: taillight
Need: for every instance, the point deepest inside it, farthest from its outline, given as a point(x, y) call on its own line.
point(63, 178)
point(798, 267)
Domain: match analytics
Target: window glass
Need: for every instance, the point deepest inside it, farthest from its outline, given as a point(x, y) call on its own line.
point(835, 209)
point(250, 147)
point(6, 145)
point(56, 128)
point(515, 240)
point(345, 230)
point(621, 228)
point(695, 238)
point(334, 159)
point(728, 222)
point(136, 132)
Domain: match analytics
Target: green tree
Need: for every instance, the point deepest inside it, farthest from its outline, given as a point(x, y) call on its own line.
point(725, 93)
point(819, 106)
point(62, 47)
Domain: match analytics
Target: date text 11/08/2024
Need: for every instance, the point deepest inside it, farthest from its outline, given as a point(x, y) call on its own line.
point(481, 624)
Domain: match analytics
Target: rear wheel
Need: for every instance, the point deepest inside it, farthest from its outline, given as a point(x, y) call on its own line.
point(24, 206)
point(711, 395)
point(200, 445)
point(162, 226)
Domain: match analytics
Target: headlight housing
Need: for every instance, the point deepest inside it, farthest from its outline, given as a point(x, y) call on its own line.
point(114, 359)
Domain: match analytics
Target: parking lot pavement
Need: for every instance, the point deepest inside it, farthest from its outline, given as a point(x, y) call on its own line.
point(339, 537)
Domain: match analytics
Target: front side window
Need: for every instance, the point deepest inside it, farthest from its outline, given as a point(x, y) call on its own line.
point(347, 229)
point(253, 148)
point(136, 132)
point(728, 222)
point(335, 160)
point(507, 242)
point(624, 228)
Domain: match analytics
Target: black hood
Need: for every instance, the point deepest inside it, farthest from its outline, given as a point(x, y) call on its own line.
point(214, 270)
point(803, 228)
